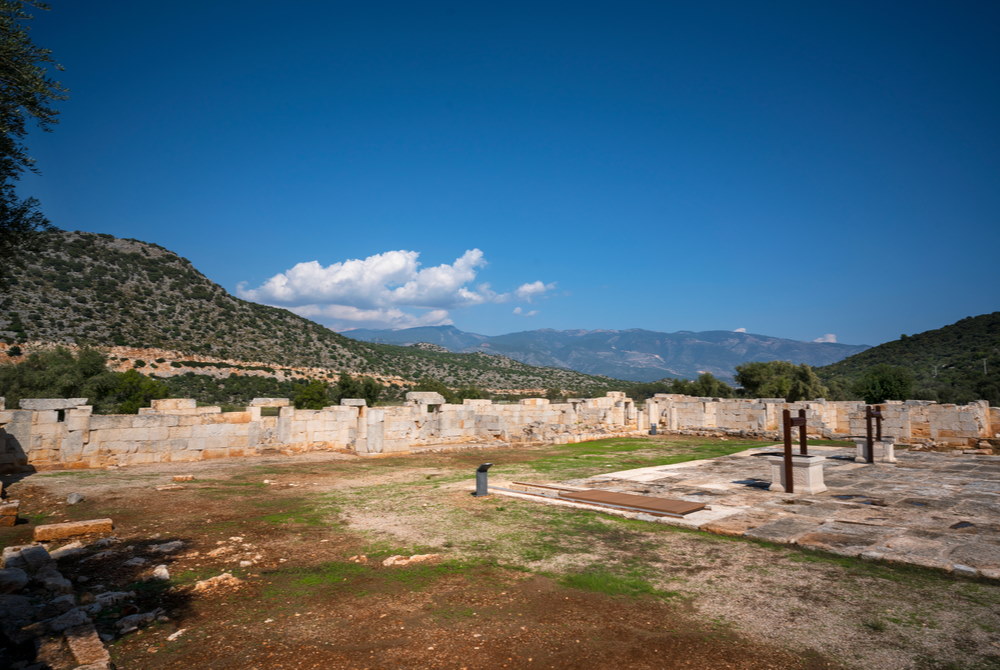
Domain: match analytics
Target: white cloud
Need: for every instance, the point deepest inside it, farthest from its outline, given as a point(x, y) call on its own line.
point(533, 290)
point(740, 330)
point(386, 290)
point(829, 337)
point(520, 312)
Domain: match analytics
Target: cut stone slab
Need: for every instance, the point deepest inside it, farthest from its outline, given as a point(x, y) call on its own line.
point(843, 538)
point(28, 557)
point(41, 404)
point(59, 531)
point(978, 554)
point(737, 524)
point(785, 531)
point(86, 646)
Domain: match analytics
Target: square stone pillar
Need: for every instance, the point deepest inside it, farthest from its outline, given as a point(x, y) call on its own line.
point(883, 451)
point(807, 473)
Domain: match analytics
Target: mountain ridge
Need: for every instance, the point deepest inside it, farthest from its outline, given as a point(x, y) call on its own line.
point(635, 354)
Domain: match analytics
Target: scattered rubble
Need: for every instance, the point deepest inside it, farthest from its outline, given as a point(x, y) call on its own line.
point(223, 582)
point(403, 561)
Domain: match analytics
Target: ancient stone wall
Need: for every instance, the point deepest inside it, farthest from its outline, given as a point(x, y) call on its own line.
point(64, 433)
point(909, 422)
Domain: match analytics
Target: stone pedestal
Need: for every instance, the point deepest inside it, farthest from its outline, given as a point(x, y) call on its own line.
point(883, 451)
point(807, 473)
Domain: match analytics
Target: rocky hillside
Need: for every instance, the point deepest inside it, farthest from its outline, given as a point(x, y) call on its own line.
point(958, 363)
point(640, 355)
point(103, 291)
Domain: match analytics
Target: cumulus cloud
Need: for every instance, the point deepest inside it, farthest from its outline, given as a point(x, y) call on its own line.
point(533, 290)
point(740, 330)
point(386, 290)
point(520, 312)
point(829, 337)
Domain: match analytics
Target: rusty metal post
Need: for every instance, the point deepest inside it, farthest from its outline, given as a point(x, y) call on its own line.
point(802, 433)
point(869, 445)
point(786, 418)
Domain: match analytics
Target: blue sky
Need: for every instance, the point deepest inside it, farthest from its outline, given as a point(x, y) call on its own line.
point(794, 169)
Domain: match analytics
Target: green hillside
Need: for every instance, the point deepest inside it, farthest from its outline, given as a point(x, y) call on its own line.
point(959, 363)
point(99, 290)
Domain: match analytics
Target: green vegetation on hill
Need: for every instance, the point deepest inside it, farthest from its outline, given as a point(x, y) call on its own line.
point(61, 374)
point(959, 363)
point(95, 289)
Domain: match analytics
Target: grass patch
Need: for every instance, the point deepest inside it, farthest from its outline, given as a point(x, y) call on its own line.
point(359, 579)
point(600, 580)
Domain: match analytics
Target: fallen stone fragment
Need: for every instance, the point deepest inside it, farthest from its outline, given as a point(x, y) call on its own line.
point(28, 557)
point(403, 561)
point(112, 598)
point(15, 611)
point(167, 547)
point(86, 646)
point(59, 531)
point(72, 618)
point(169, 487)
point(160, 572)
point(63, 603)
point(222, 582)
point(52, 580)
point(136, 562)
point(183, 478)
point(12, 579)
point(67, 551)
point(74, 498)
point(134, 621)
point(984, 452)
point(104, 542)
point(176, 634)
point(360, 558)
point(8, 512)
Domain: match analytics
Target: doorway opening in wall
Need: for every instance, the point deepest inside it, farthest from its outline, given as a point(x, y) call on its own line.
point(60, 415)
point(433, 408)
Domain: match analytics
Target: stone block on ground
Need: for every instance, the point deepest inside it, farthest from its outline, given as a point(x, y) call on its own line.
point(785, 530)
point(12, 580)
point(28, 557)
point(59, 531)
point(86, 645)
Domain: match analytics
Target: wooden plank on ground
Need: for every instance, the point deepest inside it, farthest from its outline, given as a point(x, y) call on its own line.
point(648, 503)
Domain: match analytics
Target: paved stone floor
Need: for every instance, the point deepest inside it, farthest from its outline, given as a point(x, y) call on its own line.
point(938, 510)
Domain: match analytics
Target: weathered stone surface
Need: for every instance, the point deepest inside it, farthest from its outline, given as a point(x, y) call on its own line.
point(12, 580)
point(167, 547)
point(67, 551)
point(86, 646)
point(74, 498)
point(161, 573)
point(15, 611)
point(785, 530)
point(842, 538)
point(41, 404)
point(183, 478)
point(28, 557)
point(737, 524)
point(60, 531)
point(134, 621)
point(72, 618)
point(403, 561)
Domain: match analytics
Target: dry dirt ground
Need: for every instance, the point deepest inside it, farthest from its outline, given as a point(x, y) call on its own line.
point(519, 585)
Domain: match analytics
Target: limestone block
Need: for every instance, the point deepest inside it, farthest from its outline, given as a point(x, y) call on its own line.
point(59, 531)
point(40, 404)
point(168, 404)
point(270, 402)
point(807, 473)
point(883, 451)
point(425, 397)
point(353, 402)
point(154, 421)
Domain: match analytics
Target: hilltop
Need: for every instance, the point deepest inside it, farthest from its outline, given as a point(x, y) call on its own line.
point(958, 363)
point(98, 290)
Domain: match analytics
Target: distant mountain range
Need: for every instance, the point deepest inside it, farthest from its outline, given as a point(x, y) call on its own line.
point(636, 355)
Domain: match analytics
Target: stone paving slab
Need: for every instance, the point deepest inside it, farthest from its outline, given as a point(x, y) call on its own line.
point(939, 510)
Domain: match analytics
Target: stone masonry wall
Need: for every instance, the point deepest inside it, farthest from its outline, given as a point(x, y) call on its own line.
point(64, 433)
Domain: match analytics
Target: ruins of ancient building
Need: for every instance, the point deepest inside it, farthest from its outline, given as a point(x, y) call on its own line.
point(64, 433)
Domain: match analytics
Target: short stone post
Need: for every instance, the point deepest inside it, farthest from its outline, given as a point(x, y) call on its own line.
point(807, 474)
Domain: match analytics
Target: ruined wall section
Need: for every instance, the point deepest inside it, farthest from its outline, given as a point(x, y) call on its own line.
point(909, 422)
point(66, 434)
